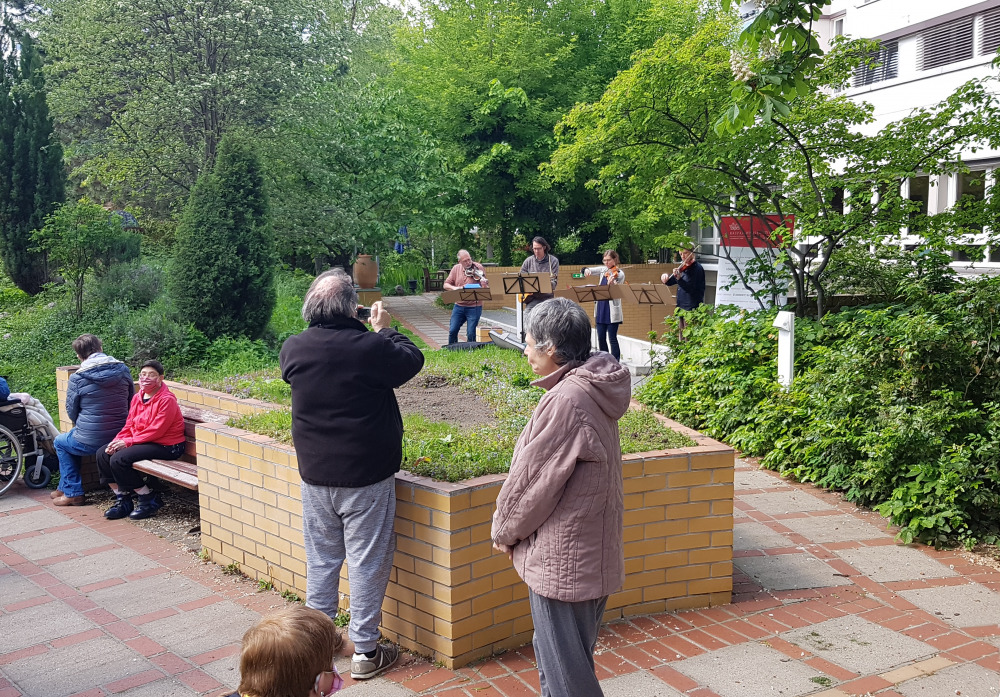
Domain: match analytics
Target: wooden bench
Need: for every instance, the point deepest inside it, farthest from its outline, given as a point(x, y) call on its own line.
point(184, 471)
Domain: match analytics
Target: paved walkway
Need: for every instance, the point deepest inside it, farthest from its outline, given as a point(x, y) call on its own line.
point(430, 322)
point(826, 604)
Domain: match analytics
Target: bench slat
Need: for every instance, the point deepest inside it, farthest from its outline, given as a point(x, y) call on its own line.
point(179, 472)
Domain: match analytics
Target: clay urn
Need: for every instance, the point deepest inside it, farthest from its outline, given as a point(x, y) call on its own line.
point(365, 271)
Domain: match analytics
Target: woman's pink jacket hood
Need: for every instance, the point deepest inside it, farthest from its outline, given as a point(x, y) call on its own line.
point(562, 506)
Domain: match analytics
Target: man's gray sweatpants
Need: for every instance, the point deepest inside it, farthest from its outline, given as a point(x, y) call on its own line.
point(564, 641)
point(355, 524)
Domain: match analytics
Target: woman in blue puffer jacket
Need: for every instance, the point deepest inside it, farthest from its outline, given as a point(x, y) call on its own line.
point(97, 402)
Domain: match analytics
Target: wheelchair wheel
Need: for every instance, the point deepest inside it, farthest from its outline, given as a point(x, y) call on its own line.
point(38, 480)
point(10, 459)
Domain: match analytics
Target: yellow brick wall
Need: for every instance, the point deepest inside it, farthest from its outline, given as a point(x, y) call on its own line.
point(639, 320)
point(450, 595)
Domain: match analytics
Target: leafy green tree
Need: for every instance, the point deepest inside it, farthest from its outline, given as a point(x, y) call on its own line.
point(32, 178)
point(81, 238)
point(145, 90)
point(491, 82)
point(222, 275)
point(654, 139)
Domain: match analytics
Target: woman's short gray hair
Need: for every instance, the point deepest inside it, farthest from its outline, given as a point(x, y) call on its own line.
point(330, 296)
point(561, 323)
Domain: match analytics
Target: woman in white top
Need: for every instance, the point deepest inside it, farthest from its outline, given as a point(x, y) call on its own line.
point(608, 314)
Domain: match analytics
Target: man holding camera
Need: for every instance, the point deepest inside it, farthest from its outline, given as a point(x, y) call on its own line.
point(466, 271)
point(348, 435)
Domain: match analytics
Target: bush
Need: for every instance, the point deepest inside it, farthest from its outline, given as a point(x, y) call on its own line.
point(132, 286)
point(891, 404)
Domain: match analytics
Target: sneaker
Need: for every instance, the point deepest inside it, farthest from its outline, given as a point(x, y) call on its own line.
point(121, 509)
point(363, 668)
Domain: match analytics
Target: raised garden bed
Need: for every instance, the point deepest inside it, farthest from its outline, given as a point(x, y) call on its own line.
point(450, 595)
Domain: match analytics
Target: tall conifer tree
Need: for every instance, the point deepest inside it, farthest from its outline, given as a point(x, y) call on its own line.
point(32, 177)
point(222, 278)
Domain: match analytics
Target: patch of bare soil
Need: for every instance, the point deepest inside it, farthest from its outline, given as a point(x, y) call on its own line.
point(436, 400)
point(179, 521)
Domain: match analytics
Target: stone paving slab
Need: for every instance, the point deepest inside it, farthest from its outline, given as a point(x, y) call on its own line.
point(30, 521)
point(834, 528)
point(95, 662)
point(781, 502)
point(859, 645)
point(168, 687)
point(748, 536)
point(755, 479)
point(14, 588)
point(749, 670)
point(376, 687)
point(149, 594)
point(227, 670)
point(790, 571)
point(11, 501)
point(113, 563)
point(637, 684)
point(967, 680)
point(38, 624)
point(970, 605)
point(887, 564)
point(204, 629)
point(60, 542)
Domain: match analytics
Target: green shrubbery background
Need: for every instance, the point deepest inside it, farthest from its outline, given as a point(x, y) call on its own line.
point(896, 405)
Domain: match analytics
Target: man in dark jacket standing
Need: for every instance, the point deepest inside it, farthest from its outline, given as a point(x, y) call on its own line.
point(97, 402)
point(348, 436)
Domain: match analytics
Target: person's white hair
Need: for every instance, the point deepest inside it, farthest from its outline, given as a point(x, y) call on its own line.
point(561, 323)
point(331, 295)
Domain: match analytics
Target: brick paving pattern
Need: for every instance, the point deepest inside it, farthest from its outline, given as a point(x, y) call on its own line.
point(122, 612)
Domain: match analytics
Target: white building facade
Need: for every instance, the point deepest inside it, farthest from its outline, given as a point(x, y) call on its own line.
point(929, 49)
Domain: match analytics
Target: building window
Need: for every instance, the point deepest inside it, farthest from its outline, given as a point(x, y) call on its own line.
point(838, 27)
point(884, 65)
point(946, 43)
point(989, 33)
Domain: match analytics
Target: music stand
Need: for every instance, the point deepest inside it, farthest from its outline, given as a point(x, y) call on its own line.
point(526, 284)
point(473, 295)
point(586, 294)
point(643, 294)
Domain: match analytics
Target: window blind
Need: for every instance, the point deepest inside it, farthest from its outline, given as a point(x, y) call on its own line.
point(946, 43)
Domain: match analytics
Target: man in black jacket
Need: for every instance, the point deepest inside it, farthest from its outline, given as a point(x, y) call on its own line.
point(348, 436)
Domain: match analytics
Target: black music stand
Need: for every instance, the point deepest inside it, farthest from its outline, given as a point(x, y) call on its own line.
point(586, 294)
point(526, 284)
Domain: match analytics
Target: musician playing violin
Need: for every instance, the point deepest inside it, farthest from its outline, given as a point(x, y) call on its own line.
point(608, 314)
point(467, 312)
point(689, 277)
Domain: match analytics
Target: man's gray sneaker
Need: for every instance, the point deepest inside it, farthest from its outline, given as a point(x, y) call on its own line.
point(365, 668)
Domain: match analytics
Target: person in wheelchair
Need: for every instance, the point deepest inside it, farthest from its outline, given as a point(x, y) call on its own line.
point(154, 430)
point(97, 402)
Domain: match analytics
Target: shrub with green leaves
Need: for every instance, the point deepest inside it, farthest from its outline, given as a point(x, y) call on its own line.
point(895, 405)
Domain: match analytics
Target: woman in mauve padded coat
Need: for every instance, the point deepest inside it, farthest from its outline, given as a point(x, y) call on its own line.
point(560, 512)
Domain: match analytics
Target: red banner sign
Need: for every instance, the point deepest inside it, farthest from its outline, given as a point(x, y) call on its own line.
point(754, 231)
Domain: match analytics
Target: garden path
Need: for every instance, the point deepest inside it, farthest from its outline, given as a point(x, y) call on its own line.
point(826, 604)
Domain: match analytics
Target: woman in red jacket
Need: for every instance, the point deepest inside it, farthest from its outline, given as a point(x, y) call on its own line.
point(154, 430)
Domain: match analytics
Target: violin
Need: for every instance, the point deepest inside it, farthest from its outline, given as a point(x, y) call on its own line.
point(685, 265)
point(611, 274)
point(475, 273)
